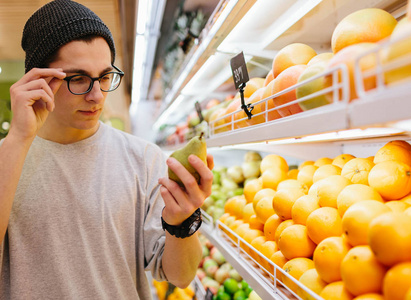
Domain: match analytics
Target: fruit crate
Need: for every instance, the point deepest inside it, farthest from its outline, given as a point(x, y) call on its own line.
point(260, 272)
point(380, 101)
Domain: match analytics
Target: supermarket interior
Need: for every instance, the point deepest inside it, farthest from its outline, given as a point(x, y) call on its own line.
point(305, 106)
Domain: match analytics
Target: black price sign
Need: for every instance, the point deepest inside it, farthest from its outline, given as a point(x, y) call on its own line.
point(198, 109)
point(239, 69)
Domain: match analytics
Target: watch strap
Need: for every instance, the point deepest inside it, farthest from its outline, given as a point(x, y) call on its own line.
point(187, 228)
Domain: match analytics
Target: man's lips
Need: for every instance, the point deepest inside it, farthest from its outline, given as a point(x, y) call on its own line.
point(90, 112)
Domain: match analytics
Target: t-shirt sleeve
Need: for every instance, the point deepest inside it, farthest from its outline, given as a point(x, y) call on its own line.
point(154, 236)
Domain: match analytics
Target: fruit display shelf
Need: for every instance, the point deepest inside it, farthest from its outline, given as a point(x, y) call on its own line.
point(253, 268)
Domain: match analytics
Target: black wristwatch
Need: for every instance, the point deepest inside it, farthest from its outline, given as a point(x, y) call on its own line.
point(187, 228)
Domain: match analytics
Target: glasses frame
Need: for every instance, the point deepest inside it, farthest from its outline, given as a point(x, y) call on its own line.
point(93, 79)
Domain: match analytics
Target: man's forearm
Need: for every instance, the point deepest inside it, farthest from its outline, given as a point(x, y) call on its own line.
point(12, 155)
point(181, 258)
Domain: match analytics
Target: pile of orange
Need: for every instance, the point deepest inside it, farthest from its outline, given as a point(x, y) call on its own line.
point(346, 235)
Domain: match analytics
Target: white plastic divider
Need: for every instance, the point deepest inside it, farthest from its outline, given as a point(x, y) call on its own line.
point(265, 282)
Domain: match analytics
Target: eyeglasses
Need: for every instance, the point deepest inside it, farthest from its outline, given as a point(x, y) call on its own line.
point(82, 84)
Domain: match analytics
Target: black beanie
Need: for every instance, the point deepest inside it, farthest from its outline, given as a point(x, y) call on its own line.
point(54, 25)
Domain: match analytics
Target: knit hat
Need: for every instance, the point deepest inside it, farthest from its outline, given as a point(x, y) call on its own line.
point(54, 25)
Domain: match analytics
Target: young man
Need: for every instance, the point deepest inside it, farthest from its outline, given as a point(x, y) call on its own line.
point(82, 204)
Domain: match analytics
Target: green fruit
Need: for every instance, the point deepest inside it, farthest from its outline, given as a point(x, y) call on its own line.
point(247, 291)
point(239, 295)
point(196, 146)
point(230, 286)
point(223, 296)
point(244, 284)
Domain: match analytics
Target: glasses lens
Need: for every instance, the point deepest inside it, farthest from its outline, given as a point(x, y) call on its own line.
point(79, 84)
point(110, 82)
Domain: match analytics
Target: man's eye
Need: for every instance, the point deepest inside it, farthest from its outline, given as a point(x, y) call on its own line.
point(78, 79)
point(106, 77)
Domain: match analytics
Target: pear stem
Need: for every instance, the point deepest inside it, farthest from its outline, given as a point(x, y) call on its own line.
point(201, 135)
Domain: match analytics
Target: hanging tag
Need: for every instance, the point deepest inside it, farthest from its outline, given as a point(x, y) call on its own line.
point(239, 69)
point(199, 112)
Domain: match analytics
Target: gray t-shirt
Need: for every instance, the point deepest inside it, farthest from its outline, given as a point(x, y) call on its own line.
point(85, 222)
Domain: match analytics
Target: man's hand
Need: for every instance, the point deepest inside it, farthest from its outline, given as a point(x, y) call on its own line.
point(32, 98)
point(179, 203)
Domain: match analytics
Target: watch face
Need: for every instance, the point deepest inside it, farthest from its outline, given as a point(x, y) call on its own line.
point(194, 226)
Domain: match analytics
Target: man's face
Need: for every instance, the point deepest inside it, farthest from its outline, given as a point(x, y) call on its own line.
point(80, 112)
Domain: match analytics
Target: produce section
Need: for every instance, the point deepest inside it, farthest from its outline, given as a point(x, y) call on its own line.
point(344, 111)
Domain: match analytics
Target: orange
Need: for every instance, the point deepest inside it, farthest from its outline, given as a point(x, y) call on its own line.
point(306, 163)
point(407, 199)
point(322, 223)
point(342, 159)
point(395, 150)
point(369, 296)
point(268, 105)
point(271, 177)
point(267, 250)
point(268, 78)
point(328, 189)
point(302, 208)
point(253, 85)
point(256, 244)
point(356, 220)
point(224, 217)
point(264, 209)
point(257, 116)
point(361, 272)
point(313, 282)
point(325, 171)
point(251, 234)
point(242, 229)
point(397, 281)
point(354, 193)
point(255, 223)
point(328, 256)
point(270, 226)
point(323, 161)
point(292, 174)
point(408, 295)
point(251, 188)
point(234, 206)
point(357, 170)
point(408, 211)
point(294, 242)
point(292, 183)
point(392, 179)
point(336, 291)
point(284, 200)
point(306, 174)
point(278, 258)
point(281, 227)
point(262, 194)
point(389, 237)
point(248, 211)
point(273, 161)
point(397, 206)
point(295, 268)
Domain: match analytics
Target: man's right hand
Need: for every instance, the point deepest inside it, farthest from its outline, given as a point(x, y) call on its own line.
point(32, 98)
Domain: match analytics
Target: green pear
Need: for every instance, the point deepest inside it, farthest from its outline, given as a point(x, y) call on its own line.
point(196, 146)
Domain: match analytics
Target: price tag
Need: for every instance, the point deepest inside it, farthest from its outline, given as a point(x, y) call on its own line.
point(239, 69)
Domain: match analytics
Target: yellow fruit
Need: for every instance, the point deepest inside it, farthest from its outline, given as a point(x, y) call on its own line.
point(354, 193)
point(336, 291)
point(323, 161)
point(325, 171)
point(328, 190)
point(306, 174)
point(407, 199)
point(292, 183)
point(264, 209)
point(394, 150)
point(284, 200)
point(292, 174)
point(356, 220)
point(279, 259)
point(365, 25)
point(296, 267)
point(267, 250)
point(328, 256)
point(251, 188)
point(306, 163)
point(271, 225)
point(357, 170)
point(342, 159)
point(313, 282)
point(281, 227)
point(397, 206)
point(251, 234)
point(397, 281)
point(255, 223)
point(391, 179)
point(294, 242)
point(271, 177)
point(253, 85)
point(389, 237)
point(302, 208)
point(370, 296)
point(361, 272)
point(242, 229)
point(263, 193)
point(248, 211)
point(322, 223)
point(256, 243)
point(224, 217)
point(273, 161)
